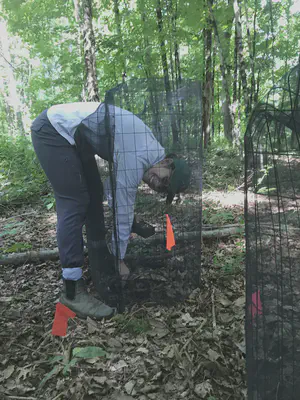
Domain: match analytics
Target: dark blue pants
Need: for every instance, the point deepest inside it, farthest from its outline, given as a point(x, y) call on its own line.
point(74, 201)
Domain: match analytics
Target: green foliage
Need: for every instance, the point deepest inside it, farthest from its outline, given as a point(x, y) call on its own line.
point(11, 228)
point(51, 69)
point(49, 201)
point(133, 325)
point(219, 217)
point(64, 364)
point(230, 259)
point(17, 247)
point(223, 167)
point(21, 177)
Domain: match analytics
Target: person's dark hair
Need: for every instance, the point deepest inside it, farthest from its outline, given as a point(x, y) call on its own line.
point(180, 178)
point(171, 155)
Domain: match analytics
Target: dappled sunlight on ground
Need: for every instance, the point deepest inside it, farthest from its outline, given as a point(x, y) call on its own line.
point(226, 199)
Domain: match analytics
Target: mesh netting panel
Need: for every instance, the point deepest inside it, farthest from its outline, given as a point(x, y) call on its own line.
point(273, 246)
point(148, 124)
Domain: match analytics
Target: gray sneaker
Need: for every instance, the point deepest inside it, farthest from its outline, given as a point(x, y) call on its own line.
point(76, 298)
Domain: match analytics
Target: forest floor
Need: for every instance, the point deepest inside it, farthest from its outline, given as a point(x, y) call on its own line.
point(191, 349)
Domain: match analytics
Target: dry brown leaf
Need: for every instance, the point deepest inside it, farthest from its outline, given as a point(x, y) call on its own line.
point(203, 389)
point(7, 373)
point(213, 355)
point(118, 366)
point(100, 379)
point(129, 387)
point(142, 350)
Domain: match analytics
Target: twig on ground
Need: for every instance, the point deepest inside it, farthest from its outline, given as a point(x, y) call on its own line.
point(59, 395)
point(21, 397)
point(191, 338)
point(213, 311)
point(28, 348)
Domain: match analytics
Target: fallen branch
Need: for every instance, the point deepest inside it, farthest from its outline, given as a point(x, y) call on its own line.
point(48, 255)
point(180, 237)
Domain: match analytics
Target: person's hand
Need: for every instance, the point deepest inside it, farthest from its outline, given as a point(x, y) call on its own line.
point(123, 270)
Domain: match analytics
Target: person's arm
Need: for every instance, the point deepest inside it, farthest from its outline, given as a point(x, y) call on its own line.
point(128, 178)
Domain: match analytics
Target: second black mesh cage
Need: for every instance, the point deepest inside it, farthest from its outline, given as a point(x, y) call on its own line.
point(149, 123)
point(272, 150)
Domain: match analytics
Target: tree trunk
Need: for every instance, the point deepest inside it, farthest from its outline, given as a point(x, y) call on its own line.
point(227, 32)
point(235, 72)
point(207, 94)
point(226, 106)
point(252, 50)
point(77, 16)
point(163, 53)
point(176, 48)
point(213, 92)
point(83, 15)
point(219, 110)
point(257, 87)
point(156, 125)
point(120, 37)
point(236, 5)
point(12, 97)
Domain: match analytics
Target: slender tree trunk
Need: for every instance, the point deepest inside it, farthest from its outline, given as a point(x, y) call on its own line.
point(83, 15)
point(213, 92)
point(288, 32)
point(236, 5)
point(176, 46)
point(77, 16)
point(252, 50)
point(120, 37)
point(170, 29)
point(12, 97)
point(167, 83)
point(226, 45)
point(235, 73)
point(226, 106)
point(208, 84)
point(148, 71)
point(257, 87)
point(219, 110)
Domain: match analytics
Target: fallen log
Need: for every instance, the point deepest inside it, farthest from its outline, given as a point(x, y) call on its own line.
point(52, 254)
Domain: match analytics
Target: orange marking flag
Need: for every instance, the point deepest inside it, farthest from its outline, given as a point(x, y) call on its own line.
point(170, 234)
point(60, 324)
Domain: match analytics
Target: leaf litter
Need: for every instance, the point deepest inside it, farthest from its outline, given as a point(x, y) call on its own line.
point(190, 350)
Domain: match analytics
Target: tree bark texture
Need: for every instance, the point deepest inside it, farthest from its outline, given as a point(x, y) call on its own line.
point(240, 50)
point(84, 17)
point(252, 51)
point(77, 17)
point(235, 70)
point(207, 92)
point(120, 37)
point(148, 71)
point(226, 106)
point(167, 83)
point(213, 91)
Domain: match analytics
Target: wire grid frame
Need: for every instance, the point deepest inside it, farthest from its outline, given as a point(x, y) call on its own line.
point(272, 200)
point(147, 124)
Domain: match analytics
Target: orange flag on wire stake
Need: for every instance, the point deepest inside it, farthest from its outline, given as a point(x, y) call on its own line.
point(60, 323)
point(170, 234)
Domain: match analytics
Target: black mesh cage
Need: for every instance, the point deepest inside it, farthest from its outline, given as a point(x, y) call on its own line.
point(171, 123)
point(272, 201)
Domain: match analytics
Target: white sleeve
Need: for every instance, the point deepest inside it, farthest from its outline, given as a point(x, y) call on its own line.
point(128, 177)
